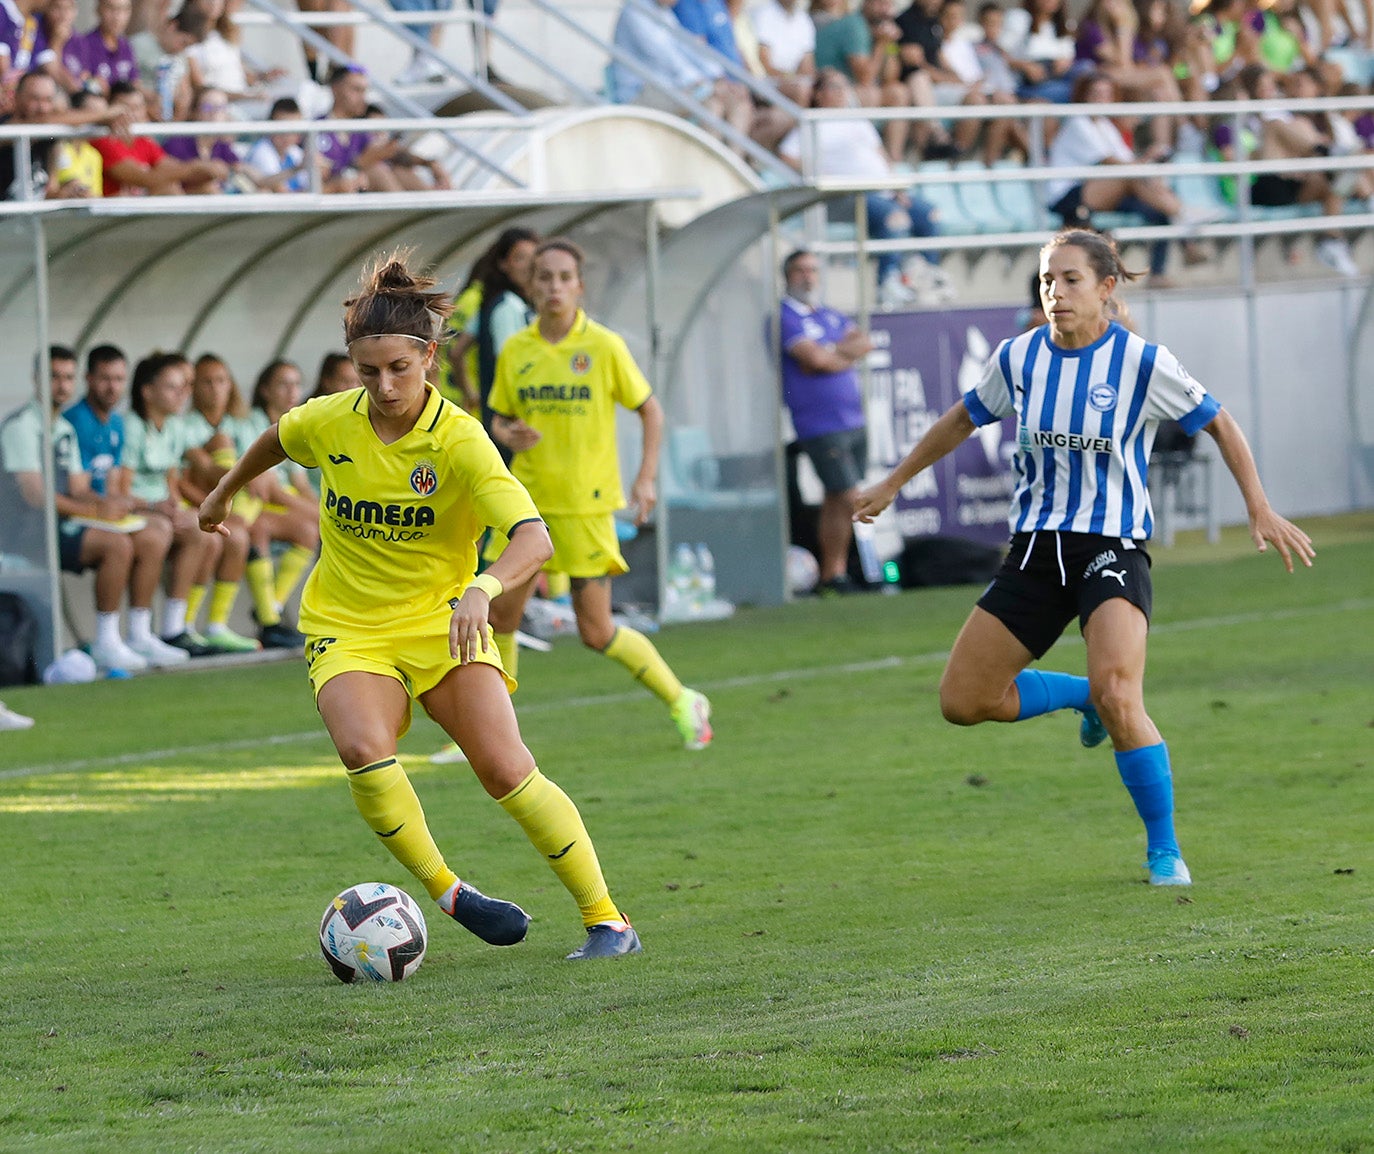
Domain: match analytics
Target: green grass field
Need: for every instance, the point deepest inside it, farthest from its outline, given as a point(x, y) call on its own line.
point(865, 929)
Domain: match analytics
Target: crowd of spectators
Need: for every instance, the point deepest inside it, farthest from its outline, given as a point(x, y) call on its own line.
point(134, 453)
point(692, 57)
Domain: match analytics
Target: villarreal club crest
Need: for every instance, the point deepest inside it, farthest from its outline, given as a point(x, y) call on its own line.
point(423, 479)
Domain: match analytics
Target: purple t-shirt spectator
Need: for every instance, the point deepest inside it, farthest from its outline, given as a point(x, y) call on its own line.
point(820, 403)
point(22, 41)
point(342, 149)
point(87, 55)
point(1089, 42)
point(184, 148)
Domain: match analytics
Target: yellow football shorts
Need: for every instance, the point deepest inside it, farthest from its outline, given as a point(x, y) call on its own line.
point(584, 545)
point(418, 661)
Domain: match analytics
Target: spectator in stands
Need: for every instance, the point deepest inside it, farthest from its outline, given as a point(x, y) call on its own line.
point(94, 531)
point(710, 20)
point(1038, 38)
point(23, 44)
point(59, 26)
point(408, 169)
point(1234, 30)
point(291, 515)
point(864, 46)
point(960, 65)
point(164, 70)
point(153, 447)
point(211, 105)
point(357, 160)
point(320, 68)
point(647, 35)
point(825, 12)
point(337, 375)
point(276, 162)
point(1096, 140)
point(1107, 43)
point(216, 61)
point(1272, 134)
point(97, 419)
point(787, 46)
point(929, 75)
point(820, 348)
point(103, 56)
point(423, 69)
point(36, 101)
point(853, 149)
point(140, 165)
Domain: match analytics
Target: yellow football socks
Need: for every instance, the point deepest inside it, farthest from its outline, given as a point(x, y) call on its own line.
point(509, 649)
point(221, 603)
point(195, 598)
point(637, 653)
point(291, 565)
point(258, 574)
point(385, 798)
point(553, 825)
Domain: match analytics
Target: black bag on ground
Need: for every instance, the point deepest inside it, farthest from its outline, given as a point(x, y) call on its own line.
point(947, 561)
point(18, 640)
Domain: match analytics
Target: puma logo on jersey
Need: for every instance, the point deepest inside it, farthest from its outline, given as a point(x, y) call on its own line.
point(341, 459)
point(1120, 576)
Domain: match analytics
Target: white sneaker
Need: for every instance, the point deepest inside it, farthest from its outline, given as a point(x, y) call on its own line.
point(895, 293)
point(117, 655)
point(158, 653)
point(1335, 253)
point(11, 720)
point(420, 70)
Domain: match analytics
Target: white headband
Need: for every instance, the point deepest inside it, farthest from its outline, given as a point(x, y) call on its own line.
point(375, 336)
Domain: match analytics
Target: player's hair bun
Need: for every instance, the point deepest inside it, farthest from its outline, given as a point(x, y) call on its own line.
point(396, 300)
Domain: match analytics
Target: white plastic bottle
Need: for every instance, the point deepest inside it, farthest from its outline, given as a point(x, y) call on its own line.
point(680, 586)
point(706, 578)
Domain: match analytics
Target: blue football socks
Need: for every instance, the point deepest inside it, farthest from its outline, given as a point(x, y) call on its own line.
point(1045, 692)
point(1147, 778)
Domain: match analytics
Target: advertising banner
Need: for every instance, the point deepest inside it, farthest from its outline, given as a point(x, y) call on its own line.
point(921, 364)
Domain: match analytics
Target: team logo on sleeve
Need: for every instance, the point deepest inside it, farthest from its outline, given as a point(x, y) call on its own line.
point(1102, 397)
point(581, 363)
point(423, 479)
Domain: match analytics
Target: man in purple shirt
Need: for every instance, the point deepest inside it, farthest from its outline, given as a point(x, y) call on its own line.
point(104, 54)
point(820, 387)
point(354, 161)
point(22, 43)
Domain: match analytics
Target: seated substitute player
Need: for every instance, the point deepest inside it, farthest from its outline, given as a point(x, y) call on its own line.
point(553, 405)
point(409, 481)
point(1087, 395)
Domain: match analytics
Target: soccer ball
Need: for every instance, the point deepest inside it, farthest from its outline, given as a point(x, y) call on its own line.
point(803, 572)
point(373, 931)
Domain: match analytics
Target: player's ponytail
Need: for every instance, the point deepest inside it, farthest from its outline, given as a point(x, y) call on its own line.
point(395, 301)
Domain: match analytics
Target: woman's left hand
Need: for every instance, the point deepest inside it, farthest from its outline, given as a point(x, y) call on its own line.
point(1269, 528)
point(467, 628)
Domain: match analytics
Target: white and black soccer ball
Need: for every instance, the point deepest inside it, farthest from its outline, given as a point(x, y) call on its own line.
point(373, 931)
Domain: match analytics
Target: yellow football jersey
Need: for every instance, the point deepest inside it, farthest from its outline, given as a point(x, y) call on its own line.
point(569, 392)
point(399, 522)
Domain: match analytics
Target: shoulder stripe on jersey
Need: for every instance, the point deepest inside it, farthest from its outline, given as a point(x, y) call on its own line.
point(438, 412)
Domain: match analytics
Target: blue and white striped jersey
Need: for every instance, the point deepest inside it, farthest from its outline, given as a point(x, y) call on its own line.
point(1085, 424)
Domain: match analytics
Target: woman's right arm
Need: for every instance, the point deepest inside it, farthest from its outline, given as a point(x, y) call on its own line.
point(262, 455)
point(952, 429)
